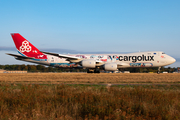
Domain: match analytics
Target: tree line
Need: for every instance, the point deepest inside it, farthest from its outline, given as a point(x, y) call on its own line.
point(41, 68)
point(38, 68)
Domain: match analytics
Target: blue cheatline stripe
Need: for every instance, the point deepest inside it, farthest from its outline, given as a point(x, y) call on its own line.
point(21, 54)
point(39, 59)
point(58, 64)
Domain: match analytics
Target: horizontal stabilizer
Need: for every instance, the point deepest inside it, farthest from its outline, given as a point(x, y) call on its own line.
point(19, 56)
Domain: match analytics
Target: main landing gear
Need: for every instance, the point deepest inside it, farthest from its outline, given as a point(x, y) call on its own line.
point(96, 71)
point(158, 72)
point(93, 70)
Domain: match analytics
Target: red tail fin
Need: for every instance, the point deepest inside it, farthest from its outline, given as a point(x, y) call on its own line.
point(25, 48)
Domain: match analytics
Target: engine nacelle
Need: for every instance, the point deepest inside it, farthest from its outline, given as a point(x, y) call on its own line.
point(88, 63)
point(110, 66)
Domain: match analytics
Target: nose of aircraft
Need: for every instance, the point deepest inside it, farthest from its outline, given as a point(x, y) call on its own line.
point(172, 60)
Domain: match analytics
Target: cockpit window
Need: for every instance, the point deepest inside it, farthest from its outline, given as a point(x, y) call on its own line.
point(163, 53)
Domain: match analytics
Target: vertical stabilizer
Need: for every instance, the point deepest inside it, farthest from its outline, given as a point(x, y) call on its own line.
point(25, 48)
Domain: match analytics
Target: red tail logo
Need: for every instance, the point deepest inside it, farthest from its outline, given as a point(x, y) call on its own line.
point(26, 48)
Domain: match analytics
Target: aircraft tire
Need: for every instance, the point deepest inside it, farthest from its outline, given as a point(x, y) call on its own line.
point(96, 71)
point(88, 71)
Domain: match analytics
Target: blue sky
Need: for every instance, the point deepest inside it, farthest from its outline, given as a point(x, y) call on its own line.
point(75, 26)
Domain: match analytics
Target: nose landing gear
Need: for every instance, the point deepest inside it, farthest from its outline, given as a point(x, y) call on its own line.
point(158, 72)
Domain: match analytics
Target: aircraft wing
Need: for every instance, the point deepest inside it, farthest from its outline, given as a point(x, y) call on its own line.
point(62, 56)
point(98, 61)
point(19, 56)
point(122, 64)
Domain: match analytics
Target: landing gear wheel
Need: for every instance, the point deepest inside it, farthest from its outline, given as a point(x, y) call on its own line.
point(96, 71)
point(89, 71)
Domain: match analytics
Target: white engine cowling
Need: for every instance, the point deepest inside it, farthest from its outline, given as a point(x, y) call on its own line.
point(88, 63)
point(110, 66)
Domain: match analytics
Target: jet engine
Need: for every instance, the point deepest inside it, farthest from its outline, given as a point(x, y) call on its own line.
point(88, 63)
point(110, 66)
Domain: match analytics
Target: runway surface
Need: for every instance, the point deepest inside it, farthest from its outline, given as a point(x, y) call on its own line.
point(92, 79)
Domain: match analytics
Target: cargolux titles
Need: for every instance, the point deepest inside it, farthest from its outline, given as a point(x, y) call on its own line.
point(136, 58)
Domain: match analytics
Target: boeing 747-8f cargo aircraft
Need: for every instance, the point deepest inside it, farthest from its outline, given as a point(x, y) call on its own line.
point(93, 62)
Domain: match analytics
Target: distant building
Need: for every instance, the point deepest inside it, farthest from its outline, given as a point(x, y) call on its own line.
point(4, 71)
point(177, 70)
point(16, 72)
point(126, 72)
point(165, 72)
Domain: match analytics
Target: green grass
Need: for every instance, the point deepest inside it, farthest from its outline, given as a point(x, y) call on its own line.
point(48, 101)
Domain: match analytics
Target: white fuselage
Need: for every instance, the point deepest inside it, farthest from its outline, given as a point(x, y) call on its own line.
point(139, 59)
